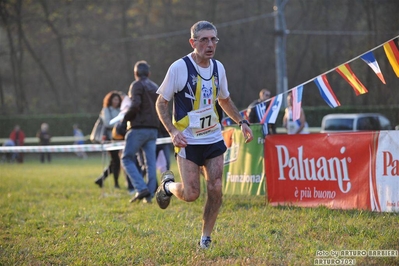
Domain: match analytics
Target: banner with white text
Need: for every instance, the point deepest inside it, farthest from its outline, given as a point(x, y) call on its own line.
point(341, 170)
point(243, 172)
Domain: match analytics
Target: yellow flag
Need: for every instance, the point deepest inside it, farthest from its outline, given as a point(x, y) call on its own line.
point(393, 56)
point(346, 72)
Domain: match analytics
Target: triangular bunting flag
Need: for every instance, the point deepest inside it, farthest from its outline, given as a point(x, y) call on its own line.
point(272, 111)
point(326, 92)
point(260, 110)
point(265, 128)
point(296, 102)
point(370, 60)
point(346, 72)
point(391, 50)
point(269, 112)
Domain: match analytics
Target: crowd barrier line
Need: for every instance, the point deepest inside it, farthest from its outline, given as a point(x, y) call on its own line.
point(71, 139)
point(110, 146)
point(55, 139)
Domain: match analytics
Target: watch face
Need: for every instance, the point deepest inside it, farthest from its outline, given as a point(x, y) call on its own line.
point(246, 122)
point(243, 122)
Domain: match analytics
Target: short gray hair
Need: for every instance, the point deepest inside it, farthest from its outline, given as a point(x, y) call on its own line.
point(202, 25)
point(142, 69)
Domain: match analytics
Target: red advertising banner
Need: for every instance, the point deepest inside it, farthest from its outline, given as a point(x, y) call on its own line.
point(341, 170)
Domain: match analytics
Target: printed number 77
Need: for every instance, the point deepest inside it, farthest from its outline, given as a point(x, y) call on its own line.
point(203, 121)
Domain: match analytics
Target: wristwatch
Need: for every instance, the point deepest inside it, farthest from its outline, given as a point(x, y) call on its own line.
point(244, 122)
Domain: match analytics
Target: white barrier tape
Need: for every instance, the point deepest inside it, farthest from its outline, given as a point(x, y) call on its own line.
point(117, 145)
point(57, 139)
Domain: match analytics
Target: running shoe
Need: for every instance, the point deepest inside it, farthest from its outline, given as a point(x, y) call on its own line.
point(205, 244)
point(163, 198)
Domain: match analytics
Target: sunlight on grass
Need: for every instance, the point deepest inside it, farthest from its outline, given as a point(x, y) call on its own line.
point(54, 214)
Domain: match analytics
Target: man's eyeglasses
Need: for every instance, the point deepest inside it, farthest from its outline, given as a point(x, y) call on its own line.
point(205, 40)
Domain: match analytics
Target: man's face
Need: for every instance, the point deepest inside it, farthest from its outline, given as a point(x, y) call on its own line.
point(205, 43)
point(289, 100)
point(265, 95)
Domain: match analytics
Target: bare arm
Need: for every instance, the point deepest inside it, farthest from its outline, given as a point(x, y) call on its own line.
point(285, 119)
point(231, 110)
point(178, 138)
point(302, 118)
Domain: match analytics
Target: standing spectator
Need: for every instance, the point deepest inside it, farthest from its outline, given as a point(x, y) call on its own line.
point(299, 126)
point(44, 139)
point(79, 140)
point(8, 156)
point(142, 133)
point(253, 118)
point(18, 136)
point(111, 108)
point(194, 83)
point(139, 159)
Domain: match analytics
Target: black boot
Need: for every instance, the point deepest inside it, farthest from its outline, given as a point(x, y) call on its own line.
point(116, 177)
point(116, 184)
point(99, 181)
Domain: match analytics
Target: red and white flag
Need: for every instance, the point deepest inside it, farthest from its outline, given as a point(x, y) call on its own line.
point(296, 102)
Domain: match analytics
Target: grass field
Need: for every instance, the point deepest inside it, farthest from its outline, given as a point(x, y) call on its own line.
point(53, 214)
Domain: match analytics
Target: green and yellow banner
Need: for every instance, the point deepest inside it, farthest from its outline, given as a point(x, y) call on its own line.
point(243, 172)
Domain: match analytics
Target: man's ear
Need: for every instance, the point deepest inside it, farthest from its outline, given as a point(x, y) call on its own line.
point(191, 41)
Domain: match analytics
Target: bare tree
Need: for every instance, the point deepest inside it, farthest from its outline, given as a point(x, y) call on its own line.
point(61, 53)
point(63, 56)
point(16, 50)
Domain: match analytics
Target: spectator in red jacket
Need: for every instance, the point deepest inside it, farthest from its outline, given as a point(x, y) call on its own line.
point(18, 137)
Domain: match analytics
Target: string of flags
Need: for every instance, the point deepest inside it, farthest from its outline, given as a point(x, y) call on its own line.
point(268, 110)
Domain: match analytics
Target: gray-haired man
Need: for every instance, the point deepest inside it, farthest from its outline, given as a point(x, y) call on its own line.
point(195, 82)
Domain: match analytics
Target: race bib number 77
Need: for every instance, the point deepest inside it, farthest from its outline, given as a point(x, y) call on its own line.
point(202, 121)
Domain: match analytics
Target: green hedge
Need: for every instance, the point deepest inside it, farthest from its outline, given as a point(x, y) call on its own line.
point(61, 125)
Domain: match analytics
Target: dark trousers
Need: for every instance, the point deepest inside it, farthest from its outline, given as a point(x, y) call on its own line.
point(44, 155)
point(114, 167)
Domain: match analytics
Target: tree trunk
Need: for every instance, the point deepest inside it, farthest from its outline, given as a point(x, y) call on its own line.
point(61, 53)
point(16, 52)
point(42, 68)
